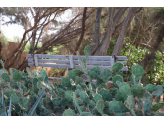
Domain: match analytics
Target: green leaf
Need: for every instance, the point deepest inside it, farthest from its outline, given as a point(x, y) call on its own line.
point(92, 103)
point(56, 101)
point(106, 95)
point(97, 97)
point(69, 112)
point(6, 77)
point(100, 106)
point(101, 86)
point(137, 90)
point(121, 114)
point(9, 92)
point(28, 71)
point(138, 71)
point(117, 66)
point(84, 97)
point(96, 69)
point(43, 73)
point(2, 64)
point(89, 78)
point(16, 76)
point(113, 91)
point(72, 75)
point(158, 91)
point(138, 113)
point(130, 102)
point(117, 78)
point(75, 102)
point(77, 72)
point(82, 108)
point(15, 99)
point(68, 95)
point(147, 106)
point(151, 87)
point(65, 82)
point(90, 90)
point(2, 71)
point(34, 82)
point(106, 72)
point(104, 115)
point(157, 106)
point(118, 106)
point(125, 90)
point(87, 51)
point(85, 114)
point(24, 103)
point(93, 74)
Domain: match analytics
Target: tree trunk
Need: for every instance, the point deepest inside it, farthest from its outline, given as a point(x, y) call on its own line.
point(82, 33)
point(97, 31)
point(126, 23)
point(34, 33)
point(116, 19)
point(102, 50)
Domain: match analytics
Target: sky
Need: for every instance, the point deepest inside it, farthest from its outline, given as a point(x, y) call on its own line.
point(12, 31)
point(15, 30)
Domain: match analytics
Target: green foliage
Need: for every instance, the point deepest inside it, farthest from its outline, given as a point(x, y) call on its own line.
point(153, 73)
point(138, 71)
point(36, 96)
point(117, 66)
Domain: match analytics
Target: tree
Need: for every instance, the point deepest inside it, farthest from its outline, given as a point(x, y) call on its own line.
point(112, 27)
point(42, 18)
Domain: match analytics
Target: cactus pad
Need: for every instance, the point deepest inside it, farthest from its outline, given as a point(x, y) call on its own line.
point(66, 82)
point(100, 106)
point(157, 106)
point(87, 50)
point(158, 91)
point(117, 78)
point(117, 66)
point(151, 87)
point(138, 71)
point(101, 86)
point(69, 112)
point(16, 76)
point(97, 97)
point(130, 102)
point(6, 77)
point(84, 97)
point(106, 95)
point(118, 106)
point(137, 90)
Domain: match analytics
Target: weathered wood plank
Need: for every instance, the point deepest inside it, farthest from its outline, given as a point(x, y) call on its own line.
point(36, 60)
point(71, 61)
point(76, 66)
point(51, 56)
point(77, 57)
point(112, 61)
point(75, 61)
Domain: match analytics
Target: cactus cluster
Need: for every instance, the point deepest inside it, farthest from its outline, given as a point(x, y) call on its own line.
point(73, 97)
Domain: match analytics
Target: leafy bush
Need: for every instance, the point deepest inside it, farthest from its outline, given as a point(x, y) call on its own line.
point(98, 100)
point(73, 97)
